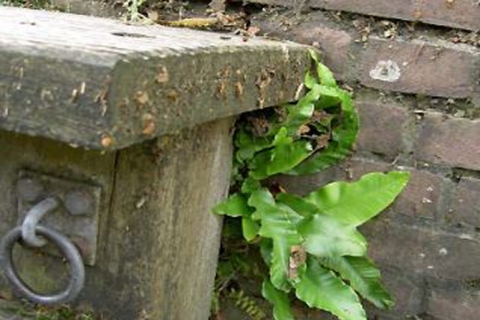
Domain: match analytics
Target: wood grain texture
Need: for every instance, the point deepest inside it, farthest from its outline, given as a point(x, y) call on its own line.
point(105, 84)
point(163, 240)
point(158, 240)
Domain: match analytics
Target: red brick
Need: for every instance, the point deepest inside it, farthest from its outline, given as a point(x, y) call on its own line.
point(464, 206)
point(420, 67)
point(423, 250)
point(355, 168)
point(304, 184)
point(382, 127)
point(463, 14)
point(409, 295)
point(421, 197)
point(400, 9)
point(449, 141)
point(430, 68)
point(454, 305)
point(334, 44)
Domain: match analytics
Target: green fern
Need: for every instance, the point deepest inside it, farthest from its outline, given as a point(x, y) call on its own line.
point(247, 304)
point(133, 9)
point(310, 245)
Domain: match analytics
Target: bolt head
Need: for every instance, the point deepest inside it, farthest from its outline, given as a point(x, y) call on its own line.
point(30, 190)
point(79, 202)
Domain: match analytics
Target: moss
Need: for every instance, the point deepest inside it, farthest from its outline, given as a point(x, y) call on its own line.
point(29, 311)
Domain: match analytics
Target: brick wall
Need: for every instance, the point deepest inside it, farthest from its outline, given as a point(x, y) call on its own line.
point(417, 85)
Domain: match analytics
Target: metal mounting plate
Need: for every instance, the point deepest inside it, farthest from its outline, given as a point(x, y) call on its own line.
point(81, 228)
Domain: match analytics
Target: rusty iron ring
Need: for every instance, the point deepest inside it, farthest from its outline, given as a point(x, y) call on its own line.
point(68, 249)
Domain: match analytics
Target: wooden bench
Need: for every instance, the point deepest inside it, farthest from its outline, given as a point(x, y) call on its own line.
point(129, 128)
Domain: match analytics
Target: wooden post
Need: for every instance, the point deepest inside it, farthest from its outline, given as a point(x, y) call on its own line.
point(162, 244)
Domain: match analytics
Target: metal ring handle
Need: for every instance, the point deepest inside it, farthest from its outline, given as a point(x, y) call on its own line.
point(32, 218)
point(77, 278)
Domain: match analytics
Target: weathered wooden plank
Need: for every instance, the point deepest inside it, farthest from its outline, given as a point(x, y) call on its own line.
point(105, 84)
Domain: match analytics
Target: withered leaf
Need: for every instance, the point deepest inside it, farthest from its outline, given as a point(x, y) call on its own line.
point(298, 257)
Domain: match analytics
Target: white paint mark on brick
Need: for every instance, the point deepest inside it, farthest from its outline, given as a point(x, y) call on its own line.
point(443, 252)
point(387, 71)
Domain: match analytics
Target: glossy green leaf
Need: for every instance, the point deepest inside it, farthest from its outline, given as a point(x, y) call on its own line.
point(247, 145)
point(357, 202)
point(263, 201)
point(363, 277)
point(234, 206)
point(324, 74)
point(345, 135)
point(280, 263)
point(324, 236)
point(285, 155)
point(310, 80)
point(266, 249)
point(330, 98)
point(279, 223)
point(250, 185)
point(279, 300)
point(258, 166)
point(298, 204)
point(301, 112)
point(249, 228)
point(321, 288)
point(298, 115)
point(282, 138)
